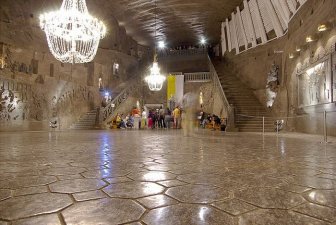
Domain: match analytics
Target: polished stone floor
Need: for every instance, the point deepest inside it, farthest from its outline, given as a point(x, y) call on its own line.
point(164, 178)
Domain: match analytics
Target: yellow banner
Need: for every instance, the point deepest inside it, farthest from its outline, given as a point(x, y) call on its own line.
point(171, 90)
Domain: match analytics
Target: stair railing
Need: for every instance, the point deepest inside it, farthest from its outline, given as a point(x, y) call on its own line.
point(112, 106)
point(218, 87)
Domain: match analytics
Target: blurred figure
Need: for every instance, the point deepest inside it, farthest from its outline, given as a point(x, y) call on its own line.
point(177, 117)
point(190, 104)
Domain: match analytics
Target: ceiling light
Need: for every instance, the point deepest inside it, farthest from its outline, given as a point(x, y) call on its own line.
point(161, 44)
point(309, 39)
point(73, 35)
point(322, 27)
point(203, 41)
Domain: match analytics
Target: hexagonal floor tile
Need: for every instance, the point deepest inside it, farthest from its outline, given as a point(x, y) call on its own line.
point(234, 206)
point(152, 176)
point(322, 197)
point(31, 205)
point(39, 220)
point(157, 201)
point(193, 193)
point(317, 211)
point(76, 185)
point(270, 198)
point(26, 181)
point(63, 171)
point(133, 189)
point(186, 214)
point(4, 194)
point(104, 173)
point(104, 211)
point(275, 216)
point(208, 179)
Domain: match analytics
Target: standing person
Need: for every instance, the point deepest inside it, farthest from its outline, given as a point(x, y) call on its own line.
point(161, 118)
point(143, 119)
point(177, 117)
point(150, 119)
point(167, 118)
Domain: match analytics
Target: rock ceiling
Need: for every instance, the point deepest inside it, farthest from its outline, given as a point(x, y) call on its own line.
point(178, 21)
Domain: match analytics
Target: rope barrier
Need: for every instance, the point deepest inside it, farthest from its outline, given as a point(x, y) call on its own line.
point(282, 117)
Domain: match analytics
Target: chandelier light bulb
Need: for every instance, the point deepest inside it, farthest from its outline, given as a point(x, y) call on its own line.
point(73, 35)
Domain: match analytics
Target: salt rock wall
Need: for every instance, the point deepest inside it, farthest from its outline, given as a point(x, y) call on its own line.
point(253, 66)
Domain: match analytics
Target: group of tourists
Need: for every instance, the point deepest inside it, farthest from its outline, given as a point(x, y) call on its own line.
point(154, 118)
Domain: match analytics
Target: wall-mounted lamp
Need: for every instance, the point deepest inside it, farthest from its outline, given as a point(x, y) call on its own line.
point(291, 55)
point(309, 39)
point(322, 27)
point(297, 49)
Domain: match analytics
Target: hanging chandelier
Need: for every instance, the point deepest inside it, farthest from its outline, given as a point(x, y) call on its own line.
point(155, 79)
point(73, 35)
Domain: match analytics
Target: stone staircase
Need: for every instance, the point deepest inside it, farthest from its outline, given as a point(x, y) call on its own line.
point(86, 121)
point(248, 110)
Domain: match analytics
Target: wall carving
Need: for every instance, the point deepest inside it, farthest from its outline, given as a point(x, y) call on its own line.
point(13, 101)
point(314, 84)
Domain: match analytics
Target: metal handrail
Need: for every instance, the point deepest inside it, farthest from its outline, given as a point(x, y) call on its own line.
point(120, 98)
point(218, 85)
point(217, 82)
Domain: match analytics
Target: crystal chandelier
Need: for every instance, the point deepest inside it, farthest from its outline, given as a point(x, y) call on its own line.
point(73, 35)
point(155, 79)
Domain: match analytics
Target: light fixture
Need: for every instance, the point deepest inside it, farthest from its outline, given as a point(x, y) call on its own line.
point(203, 41)
point(322, 27)
point(291, 55)
point(155, 79)
point(298, 49)
point(73, 35)
point(309, 39)
point(161, 44)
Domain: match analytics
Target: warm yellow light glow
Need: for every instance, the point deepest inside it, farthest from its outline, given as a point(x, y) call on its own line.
point(155, 79)
point(309, 39)
point(322, 27)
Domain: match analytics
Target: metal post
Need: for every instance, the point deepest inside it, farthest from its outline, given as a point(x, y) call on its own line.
point(325, 126)
point(263, 125)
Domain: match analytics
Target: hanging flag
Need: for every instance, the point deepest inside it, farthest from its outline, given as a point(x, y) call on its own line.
point(175, 89)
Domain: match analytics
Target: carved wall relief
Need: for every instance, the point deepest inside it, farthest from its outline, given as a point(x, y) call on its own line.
point(314, 84)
